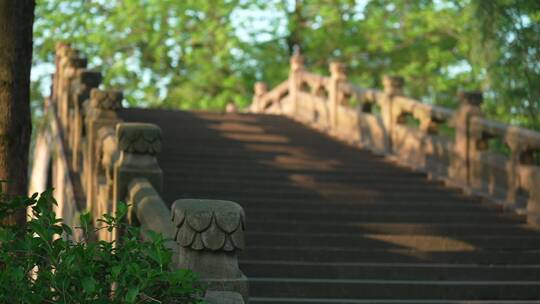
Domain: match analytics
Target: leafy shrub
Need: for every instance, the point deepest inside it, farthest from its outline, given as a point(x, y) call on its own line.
point(39, 263)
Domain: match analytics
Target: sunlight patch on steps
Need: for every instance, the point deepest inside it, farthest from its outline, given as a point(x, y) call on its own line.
point(268, 138)
point(335, 191)
point(424, 242)
point(235, 127)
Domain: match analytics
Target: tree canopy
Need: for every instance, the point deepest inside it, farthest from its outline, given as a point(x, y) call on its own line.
point(204, 54)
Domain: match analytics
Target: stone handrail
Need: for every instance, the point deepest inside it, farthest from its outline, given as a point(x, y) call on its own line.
point(449, 145)
point(270, 101)
point(101, 160)
point(149, 211)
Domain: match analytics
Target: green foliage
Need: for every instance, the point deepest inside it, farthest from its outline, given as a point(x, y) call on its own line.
point(40, 264)
point(507, 48)
point(192, 54)
point(160, 52)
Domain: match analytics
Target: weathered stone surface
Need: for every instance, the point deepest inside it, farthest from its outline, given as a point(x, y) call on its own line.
point(100, 113)
point(223, 297)
point(471, 98)
point(464, 148)
point(337, 70)
point(148, 211)
point(393, 85)
point(90, 78)
point(107, 100)
point(297, 61)
point(209, 234)
point(231, 108)
point(260, 88)
point(139, 138)
point(138, 144)
point(209, 224)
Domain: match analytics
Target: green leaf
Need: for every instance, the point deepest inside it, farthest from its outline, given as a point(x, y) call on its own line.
point(132, 294)
point(86, 219)
point(88, 284)
point(115, 271)
point(67, 229)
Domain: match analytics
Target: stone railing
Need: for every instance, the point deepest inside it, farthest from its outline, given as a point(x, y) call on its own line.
point(98, 161)
point(449, 145)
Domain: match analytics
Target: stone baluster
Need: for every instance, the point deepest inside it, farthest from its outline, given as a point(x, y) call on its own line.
point(295, 78)
point(260, 90)
point(465, 143)
point(393, 86)
point(526, 159)
point(522, 155)
point(209, 234)
point(84, 82)
point(517, 153)
point(337, 76)
point(106, 149)
point(101, 113)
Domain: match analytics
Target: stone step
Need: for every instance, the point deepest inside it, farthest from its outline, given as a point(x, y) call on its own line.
point(356, 227)
point(362, 208)
point(267, 300)
point(393, 206)
point(383, 216)
point(254, 151)
point(390, 271)
point(265, 165)
point(400, 255)
point(262, 171)
point(330, 188)
point(303, 203)
point(277, 179)
point(309, 194)
point(394, 289)
point(389, 241)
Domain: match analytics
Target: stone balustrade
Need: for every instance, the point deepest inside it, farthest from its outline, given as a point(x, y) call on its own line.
point(98, 161)
point(458, 146)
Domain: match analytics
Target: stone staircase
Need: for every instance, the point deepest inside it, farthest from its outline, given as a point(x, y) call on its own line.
point(329, 223)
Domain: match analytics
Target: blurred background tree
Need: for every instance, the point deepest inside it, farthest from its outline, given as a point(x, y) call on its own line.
point(202, 54)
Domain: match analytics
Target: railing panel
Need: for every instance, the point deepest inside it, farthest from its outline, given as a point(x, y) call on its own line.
point(373, 134)
point(348, 124)
point(502, 166)
point(313, 110)
point(438, 152)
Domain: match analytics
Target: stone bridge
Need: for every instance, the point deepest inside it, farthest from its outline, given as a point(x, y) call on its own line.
point(322, 192)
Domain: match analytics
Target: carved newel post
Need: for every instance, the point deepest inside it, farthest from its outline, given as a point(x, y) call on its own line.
point(465, 144)
point(295, 78)
point(70, 64)
point(138, 144)
point(84, 82)
point(337, 76)
point(260, 89)
point(209, 234)
point(393, 86)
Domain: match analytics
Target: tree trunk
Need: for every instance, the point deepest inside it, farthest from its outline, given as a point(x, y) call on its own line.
point(16, 20)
